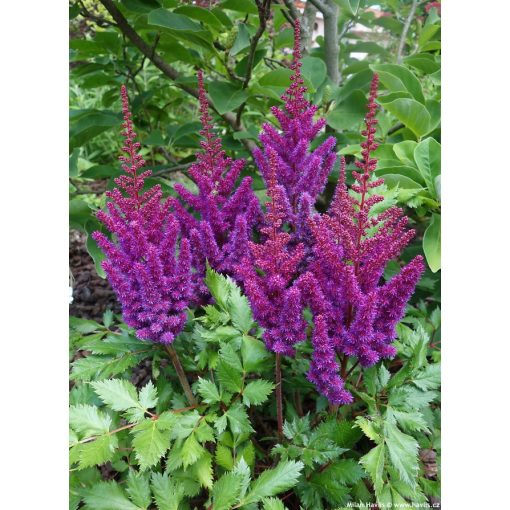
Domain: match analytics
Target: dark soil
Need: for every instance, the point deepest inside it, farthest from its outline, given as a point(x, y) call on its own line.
point(92, 295)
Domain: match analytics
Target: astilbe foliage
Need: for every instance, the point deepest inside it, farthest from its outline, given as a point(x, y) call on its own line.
point(269, 271)
point(352, 247)
point(220, 233)
point(151, 282)
point(300, 171)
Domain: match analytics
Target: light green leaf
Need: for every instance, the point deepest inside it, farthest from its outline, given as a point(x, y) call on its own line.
point(230, 378)
point(167, 494)
point(397, 78)
point(272, 504)
point(273, 481)
point(88, 420)
point(411, 421)
point(254, 353)
point(384, 376)
point(411, 113)
point(314, 69)
point(373, 462)
point(403, 451)
point(226, 491)
point(238, 419)
point(203, 471)
point(226, 96)
point(208, 391)
point(192, 450)
point(405, 152)
point(257, 392)
point(138, 489)
point(224, 457)
point(118, 394)
point(242, 40)
point(219, 286)
point(107, 496)
point(432, 243)
point(369, 428)
point(148, 396)
point(149, 443)
point(430, 378)
point(427, 155)
point(95, 452)
point(239, 310)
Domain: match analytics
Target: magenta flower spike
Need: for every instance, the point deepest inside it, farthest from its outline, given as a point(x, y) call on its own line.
point(150, 280)
point(269, 271)
point(219, 219)
point(352, 247)
point(302, 172)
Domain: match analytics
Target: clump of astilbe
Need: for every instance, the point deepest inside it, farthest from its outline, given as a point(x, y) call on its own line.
point(151, 282)
point(301, 172)
point(269, 271)
point(220, 233)
point(352, 247)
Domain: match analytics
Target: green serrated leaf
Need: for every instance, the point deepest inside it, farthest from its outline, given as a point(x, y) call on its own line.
point(138, 489)
point(369, 428)
point(167, 493)
point(107, 496)
point(203, 470)
point(226, 491)
point(373, 462)
point(273, 481)
point(148, 396)
point(149, 443)
point(257, 392)
point(88, 420)
point(191, 451)
point(238, 420)
point(272, 504)
point(428, 379)
point(208, 391)
point(118, 394)
point(224, 457)
point(93, 453)
point(240, 310)
point(230, 378)
point(403, 451)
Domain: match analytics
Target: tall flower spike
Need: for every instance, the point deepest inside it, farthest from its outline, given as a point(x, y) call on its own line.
point(301, 171)
point(150, 280)
point(219, 218)
point(356, 314)
point(269, 271)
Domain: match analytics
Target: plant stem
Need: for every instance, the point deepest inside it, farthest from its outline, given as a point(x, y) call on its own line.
point(279, 398)
point(180, 374)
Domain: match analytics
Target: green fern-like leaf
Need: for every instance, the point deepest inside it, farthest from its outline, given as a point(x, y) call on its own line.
point(273, 481)
point(257, 392)
point(150, 443)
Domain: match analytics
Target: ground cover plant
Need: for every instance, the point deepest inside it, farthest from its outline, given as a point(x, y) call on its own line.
point(271, 235)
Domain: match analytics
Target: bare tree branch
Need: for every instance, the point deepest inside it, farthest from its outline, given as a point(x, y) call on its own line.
point(165, 68)
point(321, 6)
point(307, 24)
point(407, 25)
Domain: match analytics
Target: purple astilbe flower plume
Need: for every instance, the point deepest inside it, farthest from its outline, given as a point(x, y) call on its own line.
point(324, 367)
point(352, 247)
point(302, 173)
point(151, 282)
point(269, 271)
point(226, 217)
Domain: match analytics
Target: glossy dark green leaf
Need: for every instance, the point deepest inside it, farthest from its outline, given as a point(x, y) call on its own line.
point(225, 96)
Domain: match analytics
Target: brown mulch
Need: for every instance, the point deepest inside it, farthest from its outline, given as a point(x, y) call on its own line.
point(92, 295)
